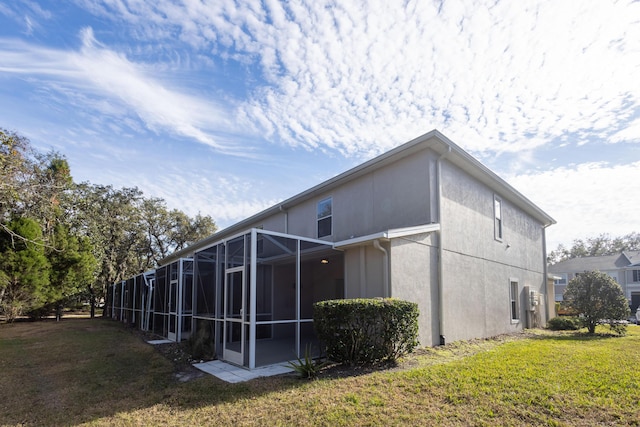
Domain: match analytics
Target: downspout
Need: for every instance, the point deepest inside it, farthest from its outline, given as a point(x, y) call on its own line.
point(385, 266)
point(545, 272)
point(440, 248)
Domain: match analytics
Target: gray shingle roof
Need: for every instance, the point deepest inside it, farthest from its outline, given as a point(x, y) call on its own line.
point(633, 256)
point(601, 263)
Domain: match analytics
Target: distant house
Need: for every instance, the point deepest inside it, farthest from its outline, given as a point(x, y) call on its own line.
point(624, 267)
point(424, 222)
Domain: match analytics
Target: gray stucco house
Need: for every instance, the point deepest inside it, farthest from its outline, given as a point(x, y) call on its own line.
point(624, 267)
point(424, 222)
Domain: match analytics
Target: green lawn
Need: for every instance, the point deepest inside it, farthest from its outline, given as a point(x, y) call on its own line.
point(95, 372)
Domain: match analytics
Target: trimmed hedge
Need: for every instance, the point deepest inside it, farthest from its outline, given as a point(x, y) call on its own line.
point(366, 331)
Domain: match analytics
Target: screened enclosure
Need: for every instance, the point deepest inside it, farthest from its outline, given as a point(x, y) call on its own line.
point(251, 296)
point(128, 301)
point(173, 300)
point(254, 295)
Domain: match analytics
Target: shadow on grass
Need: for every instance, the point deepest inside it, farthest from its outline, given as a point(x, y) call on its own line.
point(86, 370)
point(577, 336)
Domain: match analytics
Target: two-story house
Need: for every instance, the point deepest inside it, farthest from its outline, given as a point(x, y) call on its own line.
point(424, 222)
point(624, 267)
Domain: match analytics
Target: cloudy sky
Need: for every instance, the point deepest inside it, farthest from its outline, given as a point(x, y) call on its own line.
point(225, 107)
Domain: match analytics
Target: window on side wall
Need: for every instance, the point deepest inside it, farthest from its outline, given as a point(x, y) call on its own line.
point(636, 275)
point(562, 279)
point(497, 215)
point(325, 213)
point(513, 295)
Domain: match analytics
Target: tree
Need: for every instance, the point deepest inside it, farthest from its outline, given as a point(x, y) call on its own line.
point(171, 230)
point(597, 298)
point(14, 168)
point(130, 233)
point(24, 268)
point(32, 184)
point(110, 219)
point(92, 235)
point(601, 245)
point(72, 266)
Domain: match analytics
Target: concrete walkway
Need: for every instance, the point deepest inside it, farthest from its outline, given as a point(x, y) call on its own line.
point(231, 373)
point(234, 374)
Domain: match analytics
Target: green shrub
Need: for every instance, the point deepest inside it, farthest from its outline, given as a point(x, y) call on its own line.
point(564, 324)
point(200, 343)
point(365, 331)
point(307, 367)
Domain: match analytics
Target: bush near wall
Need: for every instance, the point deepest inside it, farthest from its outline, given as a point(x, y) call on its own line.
point(564, 323)
point(366, 331)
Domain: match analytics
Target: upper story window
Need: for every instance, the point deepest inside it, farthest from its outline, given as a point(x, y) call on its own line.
point(636, 275)
point(497, 215)
point(325, 213)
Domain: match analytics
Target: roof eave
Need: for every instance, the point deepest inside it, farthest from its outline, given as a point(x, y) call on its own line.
point(387, 235)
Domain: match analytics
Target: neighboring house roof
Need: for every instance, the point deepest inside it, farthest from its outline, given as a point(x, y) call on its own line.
point(600, 263)
point(433, 140)
point(633, 257)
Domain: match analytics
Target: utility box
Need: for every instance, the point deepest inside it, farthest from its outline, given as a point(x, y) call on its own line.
point(533, 300)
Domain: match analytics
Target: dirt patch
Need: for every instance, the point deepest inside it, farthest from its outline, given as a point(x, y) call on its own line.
point(176, 353)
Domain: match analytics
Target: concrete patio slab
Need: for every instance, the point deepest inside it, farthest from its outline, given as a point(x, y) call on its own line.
point(157, 342)
point(234, 374)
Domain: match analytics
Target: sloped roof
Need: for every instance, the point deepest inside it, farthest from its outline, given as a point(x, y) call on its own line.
point(600, 263)
point(633, 257)
point(433, 140)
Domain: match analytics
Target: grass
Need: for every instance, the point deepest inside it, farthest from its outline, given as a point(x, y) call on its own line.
point(95, 372)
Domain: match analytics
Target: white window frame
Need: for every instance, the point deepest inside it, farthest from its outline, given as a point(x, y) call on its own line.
point(325, 217)
point(498, 220)
point(635, 275)
point(514, 300)
point(563, 280)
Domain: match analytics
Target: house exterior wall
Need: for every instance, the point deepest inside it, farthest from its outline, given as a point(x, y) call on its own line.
point(631, 288)
point(414, 272)
point(476, 268)
point(397, 195)
point(618, 269)
point(364, 272)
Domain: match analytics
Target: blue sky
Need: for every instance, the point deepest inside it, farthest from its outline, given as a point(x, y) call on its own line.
point(226, 107)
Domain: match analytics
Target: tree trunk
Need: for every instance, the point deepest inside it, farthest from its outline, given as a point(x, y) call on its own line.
point(92, 301)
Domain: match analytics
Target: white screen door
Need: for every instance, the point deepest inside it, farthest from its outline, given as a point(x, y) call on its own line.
point(233, 316)
point(173, 314)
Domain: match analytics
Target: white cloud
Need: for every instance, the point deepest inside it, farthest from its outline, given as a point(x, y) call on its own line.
point(360, 77)
point(224, 197)
point(631, 133)
point(100, 79)
point(586, 200)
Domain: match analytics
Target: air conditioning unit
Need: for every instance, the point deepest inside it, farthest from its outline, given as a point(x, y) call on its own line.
point(533, 300)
